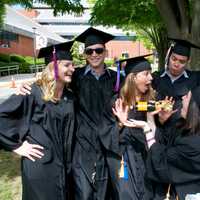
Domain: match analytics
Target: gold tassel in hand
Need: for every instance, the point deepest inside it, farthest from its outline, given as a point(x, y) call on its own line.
point(121, 170)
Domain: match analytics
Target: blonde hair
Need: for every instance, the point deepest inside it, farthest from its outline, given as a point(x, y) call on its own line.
point(128, 92)
point(47, 83)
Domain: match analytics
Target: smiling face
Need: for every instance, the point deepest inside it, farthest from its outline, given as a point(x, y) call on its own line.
point(177, 64)
point(143, 81)
point(65, 70)
point(95, 55)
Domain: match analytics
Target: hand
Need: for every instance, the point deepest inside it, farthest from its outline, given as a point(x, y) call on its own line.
point(30, 151)
point(23, 89)
point(185, 104)
point(120, 111)
point(165, 114)
point(132, 123)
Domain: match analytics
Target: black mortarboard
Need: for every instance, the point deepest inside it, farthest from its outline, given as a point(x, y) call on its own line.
point(62, 52)
point(136, 64)
point(93, 36)
point(182, 47)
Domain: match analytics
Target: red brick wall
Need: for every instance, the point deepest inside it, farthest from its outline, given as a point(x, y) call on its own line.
point(24, 47)
point(116, 48)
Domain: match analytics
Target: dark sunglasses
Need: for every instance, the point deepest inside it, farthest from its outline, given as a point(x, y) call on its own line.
point(89, 51)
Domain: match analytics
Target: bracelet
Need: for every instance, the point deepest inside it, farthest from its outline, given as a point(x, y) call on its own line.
point(148, 140)
point(149, 136)
point(147, 131)
point(151, 142)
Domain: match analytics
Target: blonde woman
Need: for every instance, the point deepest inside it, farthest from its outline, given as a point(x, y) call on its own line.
point(126, 147)
point(39, 127)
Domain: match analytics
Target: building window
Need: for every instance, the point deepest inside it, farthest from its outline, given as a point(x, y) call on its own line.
point(125, 55)
point(7, 37)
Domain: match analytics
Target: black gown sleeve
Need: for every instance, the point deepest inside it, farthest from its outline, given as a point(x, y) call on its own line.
point(109, 129)
point(15, 115)
point(178, 163)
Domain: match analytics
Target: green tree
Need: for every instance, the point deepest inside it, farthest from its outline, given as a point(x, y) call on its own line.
point(61, 6)
point(78, 57)
point(154, 18)
point(142, 16)
point(182, 21)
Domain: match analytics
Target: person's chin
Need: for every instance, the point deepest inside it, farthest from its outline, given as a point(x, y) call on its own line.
point(144, 90)
point(95, 65)
point(175, 74)
point(68, 80)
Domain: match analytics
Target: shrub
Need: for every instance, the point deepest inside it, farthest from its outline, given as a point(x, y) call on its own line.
point(24, 68)
point(4, 58)
point(17, 58)
point(30, 60)
point(109, 62)
point(2, 64)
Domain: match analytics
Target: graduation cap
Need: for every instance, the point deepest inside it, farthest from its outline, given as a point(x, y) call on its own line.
point(133, 65)
point(56, 52)
point(182, 47)
point(93, 36)
point(62, 51)
point(136, 64)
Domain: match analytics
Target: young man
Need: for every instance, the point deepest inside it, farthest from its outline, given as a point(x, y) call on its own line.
point(175, 81)
point(93, 86)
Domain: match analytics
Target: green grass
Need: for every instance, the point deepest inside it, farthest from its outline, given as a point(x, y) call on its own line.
point(10, 179)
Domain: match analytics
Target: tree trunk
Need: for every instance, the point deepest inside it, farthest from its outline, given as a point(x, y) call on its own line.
point(169, 17)
point(195, 34)
point(158, 36)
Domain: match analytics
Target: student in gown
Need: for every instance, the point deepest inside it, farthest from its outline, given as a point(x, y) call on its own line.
point(178, 162)
point(126, 148)
point(175, 80)
point(39, 127)
point(93, 86)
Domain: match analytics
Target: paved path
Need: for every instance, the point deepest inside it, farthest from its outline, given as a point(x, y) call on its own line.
point(6, 84)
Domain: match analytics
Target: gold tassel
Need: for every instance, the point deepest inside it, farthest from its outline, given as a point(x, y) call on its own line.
point(168, 193)
point(121, 170)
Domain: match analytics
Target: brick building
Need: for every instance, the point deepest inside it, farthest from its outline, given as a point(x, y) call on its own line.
point(18, 35)
point(19, 32)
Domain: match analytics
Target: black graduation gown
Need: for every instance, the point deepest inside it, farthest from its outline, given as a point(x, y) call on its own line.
point(177, 163)
point(164, 87)
point(89, 168)
point(49, 125)
point(131, 143)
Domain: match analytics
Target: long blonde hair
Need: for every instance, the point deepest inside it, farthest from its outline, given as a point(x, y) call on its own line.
point(128, 92)
point(47, 83)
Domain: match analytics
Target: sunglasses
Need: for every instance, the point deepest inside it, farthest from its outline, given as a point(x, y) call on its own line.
point(89, 51)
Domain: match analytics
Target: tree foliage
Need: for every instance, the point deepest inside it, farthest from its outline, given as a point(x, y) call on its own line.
point(155, 19)
point(140, 16)
point(126, 12)
point(182, 21)
point(58, 6)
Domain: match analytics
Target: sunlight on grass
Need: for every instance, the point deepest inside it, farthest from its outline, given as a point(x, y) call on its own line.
point(10, 180)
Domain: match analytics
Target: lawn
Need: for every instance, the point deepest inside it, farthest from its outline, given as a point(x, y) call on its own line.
point(10, 179)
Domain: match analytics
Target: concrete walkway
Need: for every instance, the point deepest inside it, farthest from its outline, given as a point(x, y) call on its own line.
point(6, 84)
point(6, 81)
